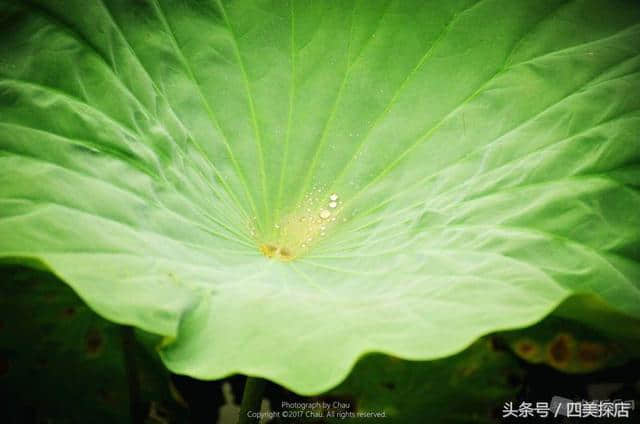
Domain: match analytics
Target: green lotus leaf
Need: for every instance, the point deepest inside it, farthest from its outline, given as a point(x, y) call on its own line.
point(280, 187)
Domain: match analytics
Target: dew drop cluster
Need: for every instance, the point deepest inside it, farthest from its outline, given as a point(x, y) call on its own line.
point(311, 220)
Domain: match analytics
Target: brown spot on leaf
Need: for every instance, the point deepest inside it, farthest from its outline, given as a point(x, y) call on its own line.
point(42, 362)
point(94, 342)
point(560, 350)
point(4, 366)
point(527, 349)
point(496, 344)
point(106, 396)
point(69, 312)
point(591, 354)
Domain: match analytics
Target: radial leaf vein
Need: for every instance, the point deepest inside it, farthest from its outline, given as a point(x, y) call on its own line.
point(252, 111)
point(205, 102)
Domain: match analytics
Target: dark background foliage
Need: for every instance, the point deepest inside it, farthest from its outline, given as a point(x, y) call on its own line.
point(61, 363)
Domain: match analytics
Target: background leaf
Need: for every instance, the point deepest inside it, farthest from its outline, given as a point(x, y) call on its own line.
point(61, 363)
point(468, 387)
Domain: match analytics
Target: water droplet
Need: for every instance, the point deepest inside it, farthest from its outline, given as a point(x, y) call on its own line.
point(325, 214)
point(333, 197)
point(333, 204)
point(276, 226)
